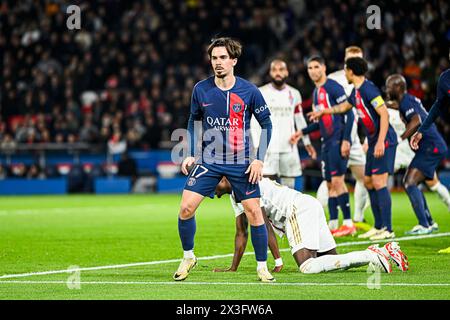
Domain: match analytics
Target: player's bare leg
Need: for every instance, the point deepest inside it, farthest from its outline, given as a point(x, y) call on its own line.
point(361, 194)
point(411, 181)
point(186, 228)
point(259, 237)
point(436, 186)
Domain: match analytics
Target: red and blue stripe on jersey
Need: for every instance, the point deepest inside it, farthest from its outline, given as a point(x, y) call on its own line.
point(227, 114)
point(325, 97)
point(362, 99)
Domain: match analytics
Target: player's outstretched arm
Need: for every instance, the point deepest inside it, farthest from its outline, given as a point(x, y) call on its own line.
point(340, 108)
point(411, 127)
point(273, 243)
point(240, 243)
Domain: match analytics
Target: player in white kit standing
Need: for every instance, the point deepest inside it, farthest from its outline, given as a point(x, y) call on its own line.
point(282, 160)
point(357, 159)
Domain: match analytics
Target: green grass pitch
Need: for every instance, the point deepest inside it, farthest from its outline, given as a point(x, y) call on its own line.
point(56, 232)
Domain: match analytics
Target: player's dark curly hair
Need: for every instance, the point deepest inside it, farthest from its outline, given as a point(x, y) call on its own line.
point(316, 58)
point(234, 47)
point(357, 65)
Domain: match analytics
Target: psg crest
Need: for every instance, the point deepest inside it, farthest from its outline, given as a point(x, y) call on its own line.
point(191, 182)
point(237, 107)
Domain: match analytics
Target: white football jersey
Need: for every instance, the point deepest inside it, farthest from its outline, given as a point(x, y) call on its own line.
point(276, 199)
point(339, 77)
point(399, 127)
point(285, 108)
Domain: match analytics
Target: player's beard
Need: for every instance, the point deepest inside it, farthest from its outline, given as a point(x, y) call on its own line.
point(279, 82)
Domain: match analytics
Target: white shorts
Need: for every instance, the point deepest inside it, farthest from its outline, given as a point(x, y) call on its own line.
point(286, 164)
point(357, 155)
point(403, 156)
point(307, 227)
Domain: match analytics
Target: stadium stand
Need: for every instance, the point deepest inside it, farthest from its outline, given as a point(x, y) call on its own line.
point(123, 82)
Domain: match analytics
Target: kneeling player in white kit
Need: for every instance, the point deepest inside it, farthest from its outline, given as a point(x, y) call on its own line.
point(302, 219)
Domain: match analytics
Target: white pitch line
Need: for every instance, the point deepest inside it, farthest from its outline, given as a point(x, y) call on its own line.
point(118, 266)
point(329, 284)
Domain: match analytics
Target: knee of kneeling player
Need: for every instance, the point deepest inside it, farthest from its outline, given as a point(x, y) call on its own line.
point(310, 266)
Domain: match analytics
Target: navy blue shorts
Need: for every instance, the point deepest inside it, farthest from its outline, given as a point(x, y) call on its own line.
point(204, 178)
point(380, 165)
point(333, 164)
point(427, 159)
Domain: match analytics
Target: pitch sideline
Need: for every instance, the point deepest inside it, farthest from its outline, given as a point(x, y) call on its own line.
point(118, 266)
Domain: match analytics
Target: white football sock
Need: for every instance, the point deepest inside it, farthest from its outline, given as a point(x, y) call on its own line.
point(337, 262)
point(442, 192)
point(288, 182)
point(348, 222)
point(261, 265)
point(322, 194)
point(189, 254)
point(333, 224)
point(361, 197)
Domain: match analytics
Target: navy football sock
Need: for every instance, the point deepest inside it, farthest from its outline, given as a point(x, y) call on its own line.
point(333, 208)
point(375, 208)
point(416, 198)
point(259, 241)
point(427, 211)
point(385, 205)
point(344, 203)
point(186, 230)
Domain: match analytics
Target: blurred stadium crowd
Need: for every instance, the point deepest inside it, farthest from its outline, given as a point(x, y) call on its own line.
point(127, 75)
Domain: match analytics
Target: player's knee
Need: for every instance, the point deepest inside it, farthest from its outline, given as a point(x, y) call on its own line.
point(254, 215)
point(409, 181)
point(337, 185)
point(187, 211)
point(378, 184)
point(310, 266)
point(368, 183)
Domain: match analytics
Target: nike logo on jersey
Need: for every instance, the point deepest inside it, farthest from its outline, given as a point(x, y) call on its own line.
point(249, 192)
point(375, 170)
point(206, 104)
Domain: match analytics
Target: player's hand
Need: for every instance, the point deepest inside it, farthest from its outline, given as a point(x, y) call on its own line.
point(255, 171)
point(379, 149)
point(315, 115)
point(311, 151)
point(277, 268)
point(295, 137)
point(391, 104)
point(415, 139)
point(230, 269)
point(186, 164)
point(345, 149)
